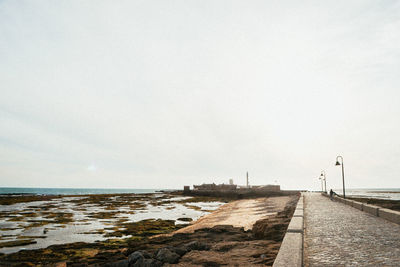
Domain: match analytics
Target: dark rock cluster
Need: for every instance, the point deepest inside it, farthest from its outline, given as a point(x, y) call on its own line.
point(169, 254)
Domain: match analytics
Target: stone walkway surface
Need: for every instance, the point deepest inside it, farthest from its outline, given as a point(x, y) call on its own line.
point(340, 235)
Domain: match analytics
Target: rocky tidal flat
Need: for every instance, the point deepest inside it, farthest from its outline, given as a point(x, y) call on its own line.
point(33, 222)
point(143, 230)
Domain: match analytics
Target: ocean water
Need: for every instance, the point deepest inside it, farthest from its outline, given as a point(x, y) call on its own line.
point(380, 193)
point(71, 191)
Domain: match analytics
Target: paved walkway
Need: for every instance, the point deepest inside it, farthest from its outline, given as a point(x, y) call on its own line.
point(339, 235)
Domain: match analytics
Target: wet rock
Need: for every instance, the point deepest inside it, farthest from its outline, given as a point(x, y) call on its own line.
point(185, 219)
point(196, 245)
point(121, 263)
point(142, 262)
point(179, 250)
point(135, 256)
point(269, 229)
point(168, 256)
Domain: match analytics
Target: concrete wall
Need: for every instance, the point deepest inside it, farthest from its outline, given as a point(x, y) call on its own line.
point(240, 194)
point(390, 215)
point(291, 250)
point(357, 205)
point(387, 214)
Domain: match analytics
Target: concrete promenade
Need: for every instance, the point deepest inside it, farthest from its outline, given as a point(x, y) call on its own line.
point(339, 235)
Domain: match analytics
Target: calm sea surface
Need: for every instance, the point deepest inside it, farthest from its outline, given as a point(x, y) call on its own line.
point(70, 191)
point(381, 193)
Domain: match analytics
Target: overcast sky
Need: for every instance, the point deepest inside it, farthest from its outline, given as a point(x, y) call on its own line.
point(161, 94)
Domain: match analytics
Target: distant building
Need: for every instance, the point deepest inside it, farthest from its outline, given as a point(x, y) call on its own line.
point(214, 187)
point(268, 187)
point(231, 181)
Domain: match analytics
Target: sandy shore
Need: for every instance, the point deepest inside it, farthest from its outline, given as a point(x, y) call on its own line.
point(240, 213)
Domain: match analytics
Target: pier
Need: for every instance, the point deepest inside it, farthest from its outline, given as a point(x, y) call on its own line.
point(340, 233)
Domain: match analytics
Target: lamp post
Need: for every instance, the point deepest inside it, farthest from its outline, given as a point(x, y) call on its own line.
point(338, 164)
point(323, 176)
point(322, 185)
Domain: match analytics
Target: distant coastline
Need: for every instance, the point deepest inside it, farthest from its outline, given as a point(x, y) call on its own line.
point(379, 193)
point(74, 191)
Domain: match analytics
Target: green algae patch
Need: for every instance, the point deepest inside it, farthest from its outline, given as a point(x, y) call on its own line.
point(185, 219)
point(29, 214)
point(144, 228)
point(59, 217)
point(16, 219)
point(193, 207)
point(17, 243)
point(103, 215)
point(14, 199)
point(9, 229)
point(37, 223)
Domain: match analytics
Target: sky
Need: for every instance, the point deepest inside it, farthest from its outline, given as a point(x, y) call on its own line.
point(162, 94)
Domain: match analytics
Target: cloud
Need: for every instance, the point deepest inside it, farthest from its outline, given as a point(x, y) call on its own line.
point(92, 168)
point(165, 94)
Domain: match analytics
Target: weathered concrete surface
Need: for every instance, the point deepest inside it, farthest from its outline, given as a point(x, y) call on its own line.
point(298, 213)
point(371, 209)
point(340, 235)
point(357, 205)
point(291, 252)
point(390, 215)
point(296, 225)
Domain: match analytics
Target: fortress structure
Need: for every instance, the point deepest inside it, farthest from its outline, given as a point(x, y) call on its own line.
point(215, 187)
point(232, 189)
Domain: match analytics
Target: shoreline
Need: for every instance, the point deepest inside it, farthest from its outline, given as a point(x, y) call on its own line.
point(37, 222)
point(93, 252)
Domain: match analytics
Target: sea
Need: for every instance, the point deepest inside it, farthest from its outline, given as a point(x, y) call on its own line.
point(73, 191)
point(379, 193)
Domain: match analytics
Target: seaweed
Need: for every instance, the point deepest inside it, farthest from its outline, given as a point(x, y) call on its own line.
point(16, 243)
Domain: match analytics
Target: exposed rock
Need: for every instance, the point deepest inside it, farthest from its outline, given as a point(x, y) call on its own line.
point(269, 229)
point(179, 250)
point(185, 219)
point(121, 263)
point(166, 255)
point(135, 256)
point(196, 245)
point(142, 262)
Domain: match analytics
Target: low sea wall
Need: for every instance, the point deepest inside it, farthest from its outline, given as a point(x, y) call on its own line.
point(291, 250)
point(240, 194)
point(387, 214)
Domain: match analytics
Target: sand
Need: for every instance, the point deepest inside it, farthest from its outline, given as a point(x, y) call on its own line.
point(240, 213)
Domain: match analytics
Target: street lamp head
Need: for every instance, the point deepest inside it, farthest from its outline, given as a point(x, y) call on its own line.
point(337, 163)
